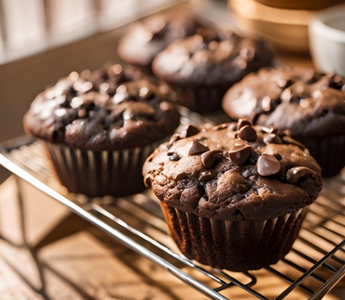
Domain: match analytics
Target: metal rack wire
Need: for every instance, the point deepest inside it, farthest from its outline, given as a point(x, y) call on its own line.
point(313, 267)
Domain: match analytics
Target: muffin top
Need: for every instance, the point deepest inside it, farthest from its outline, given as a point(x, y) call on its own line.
point(145, 39)
point(110, 108)
point(233, 171)
point(210, 58)
point(299, 99)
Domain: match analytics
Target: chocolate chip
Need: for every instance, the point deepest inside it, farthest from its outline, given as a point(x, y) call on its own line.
point(232, 127)
point(120, 97)
point(284, 83)
point(272, 139)
point(239, 153)
point(273, 129)
point(305, 103)
point(189, 130)
point(197, 148)
point(242, 188)
point(296, 173)
point(207, 175)
point(173, 156)
point(270, 129)
point(247, 133)
point(220, 127)
point(82, 113)
point(115, 70)
point(267, 165)
point(278, 156)
point(264, 129)
point(243, 122)
point(266, 103)
point(290, 140)
point(313, 77)
point(208, 158)
point(287, 132)
point(335, 81)
point(180, 176)
point(147, 181)
point(145, 93)
point(175, 137)
point(288, 96)
point(248, 53)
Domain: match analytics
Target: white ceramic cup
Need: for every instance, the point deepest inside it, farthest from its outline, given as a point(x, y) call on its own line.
point(327, 40)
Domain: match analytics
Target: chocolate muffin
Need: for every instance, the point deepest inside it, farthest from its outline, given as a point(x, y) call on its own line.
point(99, 127)
point(202, 67)
point(147, 38)
point(234, 196)
point(309, 104)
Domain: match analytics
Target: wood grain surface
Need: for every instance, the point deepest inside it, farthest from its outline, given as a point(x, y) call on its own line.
point(83, 262)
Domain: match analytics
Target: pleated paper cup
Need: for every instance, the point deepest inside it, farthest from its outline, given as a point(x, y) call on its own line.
point(233, 245)
point(100, 173)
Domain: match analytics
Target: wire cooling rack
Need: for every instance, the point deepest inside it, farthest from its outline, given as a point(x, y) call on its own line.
point(311, 269)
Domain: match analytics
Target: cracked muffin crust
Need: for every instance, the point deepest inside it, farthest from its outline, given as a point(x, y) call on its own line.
point(230, 172)
point(309, 104)
point(203, 66)
point(146, 39)
point(234, 195)
point(99, 127)
point(110, 108)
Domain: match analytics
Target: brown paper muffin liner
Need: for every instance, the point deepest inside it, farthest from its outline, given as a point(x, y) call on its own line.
point(100, 173)
point(233, 245)
point(201, 99)
point(329, 152)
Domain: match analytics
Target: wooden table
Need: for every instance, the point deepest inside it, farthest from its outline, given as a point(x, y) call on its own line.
point(83, 262)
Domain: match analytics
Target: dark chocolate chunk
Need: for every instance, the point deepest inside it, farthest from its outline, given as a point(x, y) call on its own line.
point(208, 158)
point(270, 129)
point(232, 127)
point(247, 133)
point(147, 181)
point(335, 81)
point(145, 93)
point(180, 176)
point(189, 130)
point(284, 83)
point(272, 139)
point(287, 132)
point(273, 129)
point(239, 153)
point(207, 175)
point(296, 173)
point(242, 188)
point(220, 127)
point(197, 148)
point(288, 96)
point(173, 156)
point(82, 113)
point(278, 156)
point(243, 122)
point(313, 77)
point(290, 140)
point(266, 103)
point(264, 129)
point(175, 137)
point(267, 165)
